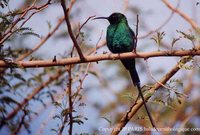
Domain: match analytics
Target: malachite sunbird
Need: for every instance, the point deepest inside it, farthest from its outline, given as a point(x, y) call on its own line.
point(120, 39)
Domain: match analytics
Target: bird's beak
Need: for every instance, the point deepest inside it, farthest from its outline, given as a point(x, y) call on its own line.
point(100, 18)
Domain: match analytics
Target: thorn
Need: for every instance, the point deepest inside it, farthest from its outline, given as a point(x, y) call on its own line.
point(54, 59)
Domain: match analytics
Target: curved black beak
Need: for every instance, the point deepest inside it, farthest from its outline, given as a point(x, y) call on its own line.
point(100, 18)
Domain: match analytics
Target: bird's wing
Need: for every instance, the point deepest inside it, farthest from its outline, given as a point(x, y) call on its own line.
point(134, 38)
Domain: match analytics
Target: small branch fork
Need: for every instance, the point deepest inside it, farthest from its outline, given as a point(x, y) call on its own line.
point(66, 12)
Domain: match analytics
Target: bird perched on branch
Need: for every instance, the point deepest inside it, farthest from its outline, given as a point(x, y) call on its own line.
point(120, 39)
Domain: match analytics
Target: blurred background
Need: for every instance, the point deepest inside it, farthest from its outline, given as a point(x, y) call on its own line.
point(102, 92)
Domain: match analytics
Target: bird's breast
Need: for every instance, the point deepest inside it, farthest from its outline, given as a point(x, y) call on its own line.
point(119, 39)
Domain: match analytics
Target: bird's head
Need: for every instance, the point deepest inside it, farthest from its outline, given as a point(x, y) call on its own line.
point(114, 18)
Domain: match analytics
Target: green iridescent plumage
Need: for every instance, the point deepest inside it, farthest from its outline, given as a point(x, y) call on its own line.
point(120, 38)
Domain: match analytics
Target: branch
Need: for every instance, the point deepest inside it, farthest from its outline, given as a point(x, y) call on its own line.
point(161, 26)
point(47, 36)
point(41, 42)
point(79, 30)
point(10, 30)
point(66, 12)
point(126, 118)
point(188, 19)
point(100, 57)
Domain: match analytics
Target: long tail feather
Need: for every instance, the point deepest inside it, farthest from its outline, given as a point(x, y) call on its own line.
point(130, 66)
point(141, 95)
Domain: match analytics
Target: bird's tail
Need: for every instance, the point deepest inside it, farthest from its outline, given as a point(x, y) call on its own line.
point(130, 66)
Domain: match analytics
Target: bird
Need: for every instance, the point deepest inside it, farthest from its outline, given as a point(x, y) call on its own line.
point(120, 38)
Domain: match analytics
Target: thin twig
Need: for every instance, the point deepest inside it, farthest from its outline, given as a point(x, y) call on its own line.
point(20, 124)
point(166, 87)
point(81, 82)
point(83, 25)
point(136, 32)
point(79, 31)
point(96, 46)
point(161, 26)
point(184, 16)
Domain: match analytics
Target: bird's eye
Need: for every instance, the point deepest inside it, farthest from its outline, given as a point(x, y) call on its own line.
point(114, 17)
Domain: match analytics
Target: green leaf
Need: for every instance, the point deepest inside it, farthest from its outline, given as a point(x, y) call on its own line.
point(27, 31)
point(188, 36)
point(31, 33)
point(174, 41)
point(8, 100)
point(158, 38)
point(179, 101)
point(128, 96)
point(57, 104)
point(65, 112)
point(54, 130)
point(56, 116)
point(78, 121)
point(49, 25)
point(19, 76)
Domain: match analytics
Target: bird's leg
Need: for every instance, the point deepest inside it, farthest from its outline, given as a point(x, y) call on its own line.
point(134, 50)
